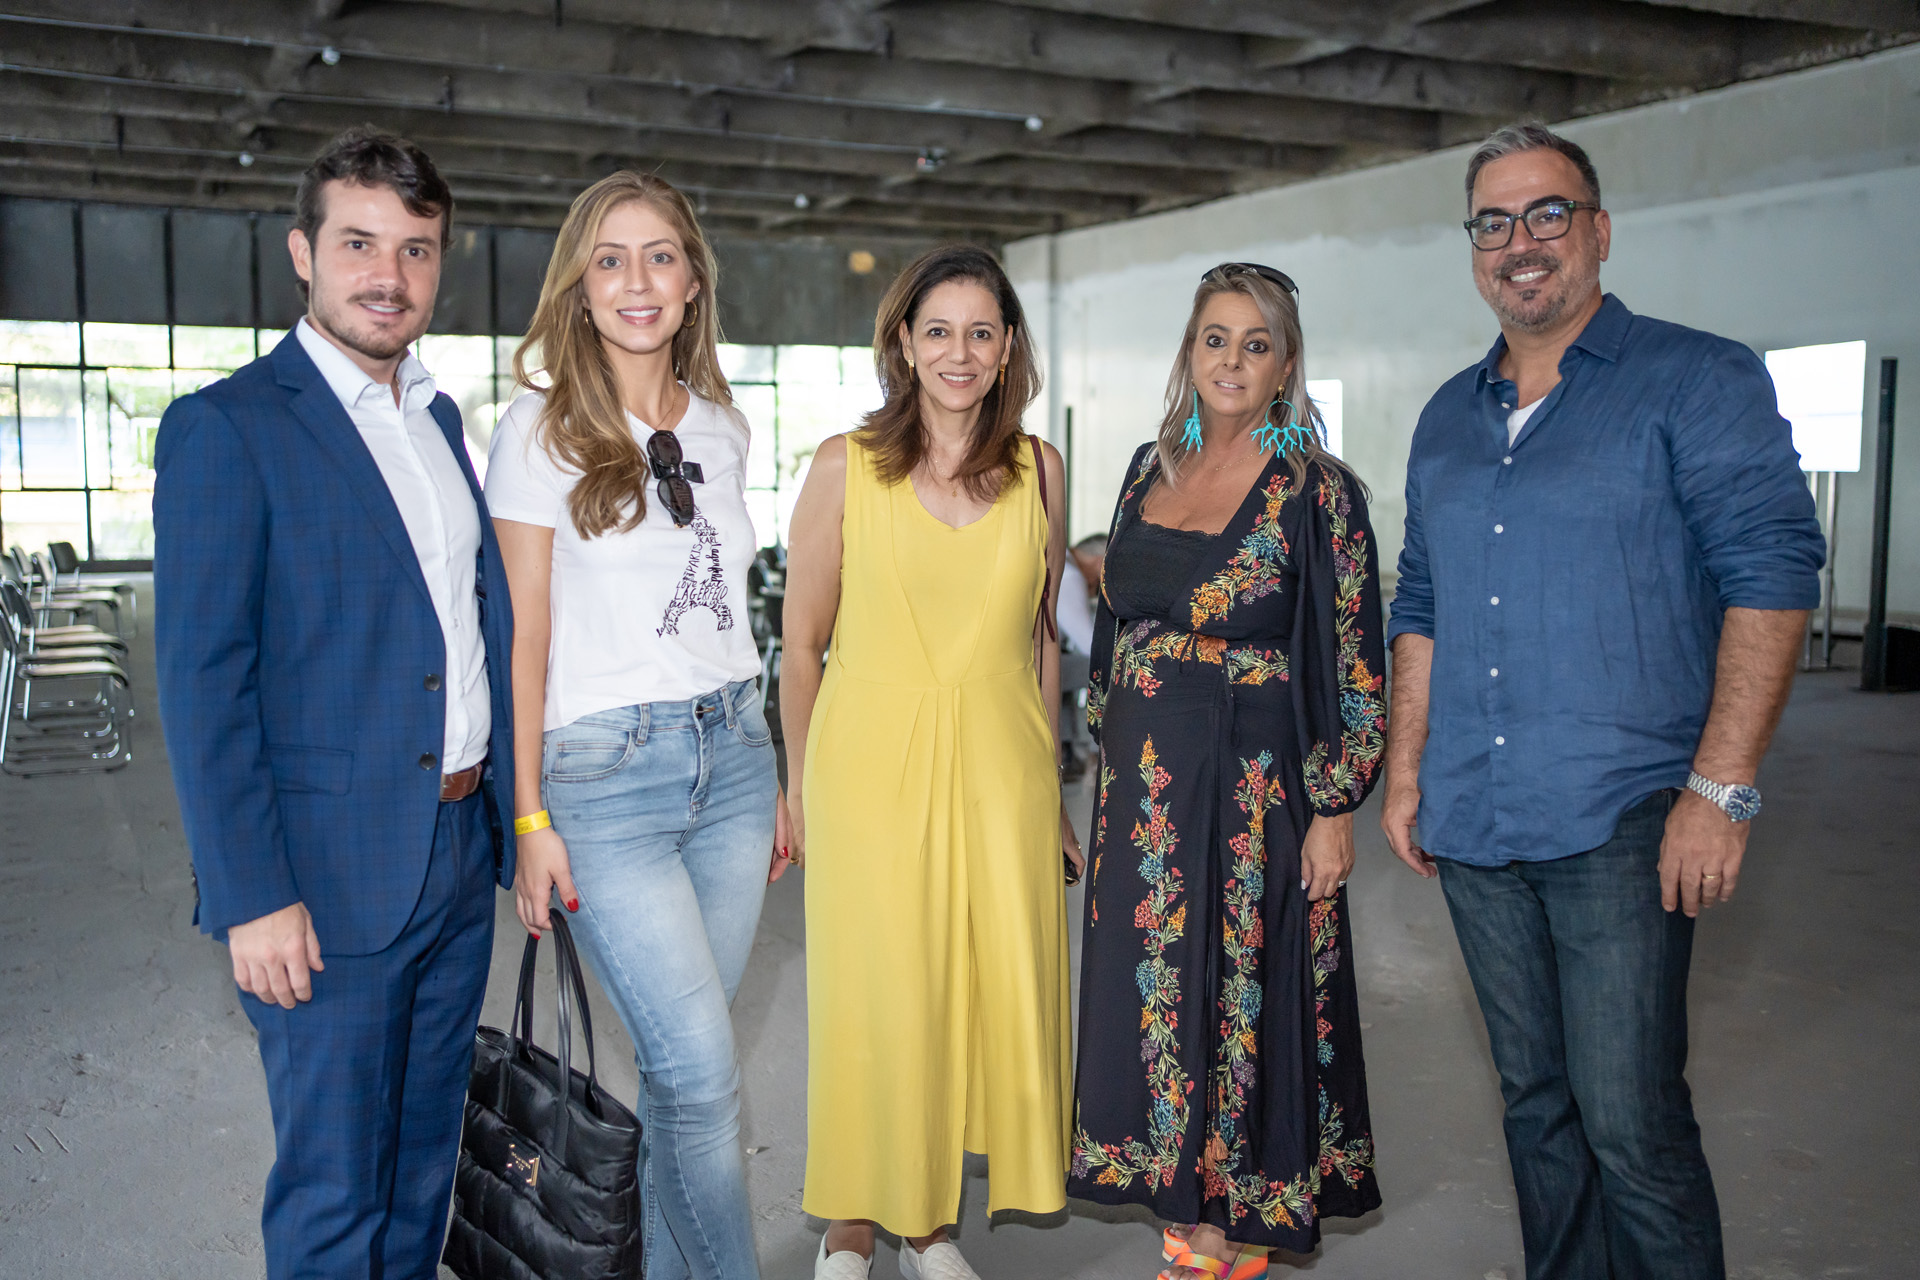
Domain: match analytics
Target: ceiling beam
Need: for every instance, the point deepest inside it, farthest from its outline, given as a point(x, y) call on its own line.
point(373, 87)
point(1888, 16)
point(958, 58)
point(549, 174)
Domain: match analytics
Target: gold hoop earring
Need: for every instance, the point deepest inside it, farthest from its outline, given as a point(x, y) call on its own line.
point(1002, 376)
point(693, 315)
point(909, 357)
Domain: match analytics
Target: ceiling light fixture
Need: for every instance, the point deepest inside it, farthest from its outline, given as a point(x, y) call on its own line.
point(331, 56)
point(246, 159)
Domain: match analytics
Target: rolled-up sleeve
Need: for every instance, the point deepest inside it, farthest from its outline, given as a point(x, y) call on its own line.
point(1413, 596)
point(1741, 490)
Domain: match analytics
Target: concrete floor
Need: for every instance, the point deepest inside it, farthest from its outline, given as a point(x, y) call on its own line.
point(134, 1134)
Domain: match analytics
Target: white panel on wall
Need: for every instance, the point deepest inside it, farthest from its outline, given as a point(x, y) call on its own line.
point(1822, 392)
point(1329, 396)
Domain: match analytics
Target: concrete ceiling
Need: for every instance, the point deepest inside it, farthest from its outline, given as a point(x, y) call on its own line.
point(916, 118)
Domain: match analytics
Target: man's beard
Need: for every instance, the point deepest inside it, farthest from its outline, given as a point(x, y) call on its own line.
point(1544, 309)
point(373, 344)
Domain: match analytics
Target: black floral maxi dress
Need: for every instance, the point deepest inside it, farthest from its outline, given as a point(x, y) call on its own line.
point(1220, 1076)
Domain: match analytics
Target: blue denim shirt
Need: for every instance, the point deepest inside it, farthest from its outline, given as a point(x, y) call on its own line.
point(1573, 584)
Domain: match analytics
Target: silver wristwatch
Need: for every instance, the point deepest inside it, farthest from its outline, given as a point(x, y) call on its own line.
point(1738, 801)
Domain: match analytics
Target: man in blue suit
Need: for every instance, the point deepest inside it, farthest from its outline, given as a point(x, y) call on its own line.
point(333, 629)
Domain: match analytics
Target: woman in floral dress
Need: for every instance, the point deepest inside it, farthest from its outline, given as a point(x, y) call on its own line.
point(1238, 700)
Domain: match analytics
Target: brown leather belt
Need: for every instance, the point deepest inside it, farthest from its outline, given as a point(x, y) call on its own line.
point(458, 786)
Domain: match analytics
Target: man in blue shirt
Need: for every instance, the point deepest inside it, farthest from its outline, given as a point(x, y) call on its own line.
point(1610, 554)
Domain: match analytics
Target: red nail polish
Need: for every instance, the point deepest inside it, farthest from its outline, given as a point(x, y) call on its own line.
point(573, 904)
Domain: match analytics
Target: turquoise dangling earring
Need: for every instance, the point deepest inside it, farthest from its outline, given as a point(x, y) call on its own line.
point(1190, 433)
point(1296, 436)
point(1266, 435)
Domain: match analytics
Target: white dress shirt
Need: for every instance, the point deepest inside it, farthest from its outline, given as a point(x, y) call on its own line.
point(442, 519)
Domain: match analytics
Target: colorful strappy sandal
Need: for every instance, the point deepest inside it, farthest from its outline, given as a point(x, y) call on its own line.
point(1249, 1265)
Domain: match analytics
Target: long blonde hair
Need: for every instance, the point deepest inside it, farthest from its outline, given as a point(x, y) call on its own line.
point(584, 424)
point(1281, 312)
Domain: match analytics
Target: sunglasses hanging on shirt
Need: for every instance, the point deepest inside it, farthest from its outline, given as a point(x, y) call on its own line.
point(676, 475)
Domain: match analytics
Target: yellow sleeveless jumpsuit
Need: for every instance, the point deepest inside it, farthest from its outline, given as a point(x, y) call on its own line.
point(936, 938)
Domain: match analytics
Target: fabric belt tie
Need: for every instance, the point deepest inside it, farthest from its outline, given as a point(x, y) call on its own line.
point(458, 786)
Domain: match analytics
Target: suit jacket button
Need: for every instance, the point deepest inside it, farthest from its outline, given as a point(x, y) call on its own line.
point(428, 760)
point(433, 682)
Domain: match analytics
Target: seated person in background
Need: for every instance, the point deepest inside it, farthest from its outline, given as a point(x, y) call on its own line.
point(1079, 587)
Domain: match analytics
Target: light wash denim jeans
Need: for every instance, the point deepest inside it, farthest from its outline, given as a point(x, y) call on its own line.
point(667, 811)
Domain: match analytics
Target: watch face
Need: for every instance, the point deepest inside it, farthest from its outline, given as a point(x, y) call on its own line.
point(1743, 803)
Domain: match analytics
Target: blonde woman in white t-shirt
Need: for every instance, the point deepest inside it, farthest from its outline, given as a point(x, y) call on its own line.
point(647, 800)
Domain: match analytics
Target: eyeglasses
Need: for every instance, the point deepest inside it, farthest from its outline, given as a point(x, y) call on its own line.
point(1227, 270)
point(1545, 219)
point(677, 476)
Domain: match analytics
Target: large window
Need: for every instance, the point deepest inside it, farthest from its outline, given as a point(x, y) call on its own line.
point(80, 405)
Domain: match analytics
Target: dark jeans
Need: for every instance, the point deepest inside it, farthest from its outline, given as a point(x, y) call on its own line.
point(1582, 978)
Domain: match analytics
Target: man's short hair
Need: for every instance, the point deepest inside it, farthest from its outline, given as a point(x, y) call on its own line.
point(1530, 135)
point(1092, 544)
point(375, 158)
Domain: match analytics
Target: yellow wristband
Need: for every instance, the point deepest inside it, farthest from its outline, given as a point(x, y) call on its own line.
point(531, 823)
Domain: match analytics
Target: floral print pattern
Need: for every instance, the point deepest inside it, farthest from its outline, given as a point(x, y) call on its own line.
point(1363, 709)
point(1254, 570)
point(1215, 1082)
point(1163, 923)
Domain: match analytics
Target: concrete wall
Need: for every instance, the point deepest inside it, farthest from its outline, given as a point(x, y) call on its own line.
point(1779, 213)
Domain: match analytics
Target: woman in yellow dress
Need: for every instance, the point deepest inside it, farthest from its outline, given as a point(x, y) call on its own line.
point(924, 557)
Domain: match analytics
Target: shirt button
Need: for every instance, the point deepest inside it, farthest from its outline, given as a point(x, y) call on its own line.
point(1506, 404)
point(1499, 528)
point(428, 760)
point(1496, 599)
point(1494, 671)
point(1499, 742)
point(1508, 460)
point(432, 682)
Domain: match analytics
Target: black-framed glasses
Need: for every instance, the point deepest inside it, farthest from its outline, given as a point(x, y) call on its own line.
point(676, 475)
point(1546, 220)
point(1227, 270)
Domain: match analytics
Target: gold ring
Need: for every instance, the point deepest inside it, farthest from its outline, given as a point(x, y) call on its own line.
point(1714, 876)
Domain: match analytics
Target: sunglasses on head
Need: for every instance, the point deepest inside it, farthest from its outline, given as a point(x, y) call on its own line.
point(676, 475)
point(1228, 270)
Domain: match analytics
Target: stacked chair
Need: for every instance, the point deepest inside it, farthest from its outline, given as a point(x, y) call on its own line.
point(68, 700)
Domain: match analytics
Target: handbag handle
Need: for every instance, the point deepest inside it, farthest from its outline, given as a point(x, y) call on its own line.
point(1046, 570)
point(572, 994)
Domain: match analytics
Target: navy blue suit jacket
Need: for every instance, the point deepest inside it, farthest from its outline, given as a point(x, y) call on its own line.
point(302, 666)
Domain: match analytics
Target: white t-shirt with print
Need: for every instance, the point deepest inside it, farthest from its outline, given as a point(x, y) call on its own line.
point(656, 614)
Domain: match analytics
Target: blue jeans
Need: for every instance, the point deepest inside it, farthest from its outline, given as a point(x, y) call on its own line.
point(667, 812)
point(1582, 978)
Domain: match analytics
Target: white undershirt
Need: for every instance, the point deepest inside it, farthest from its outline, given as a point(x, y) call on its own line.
point(1517, 420)
point(442, 519)
point(654, 614)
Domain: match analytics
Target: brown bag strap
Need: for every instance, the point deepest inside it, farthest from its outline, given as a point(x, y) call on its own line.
point(1046, 570)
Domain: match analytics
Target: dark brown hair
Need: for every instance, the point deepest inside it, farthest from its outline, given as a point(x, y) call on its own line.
point(894, 433)
point(583, 424)
point(372, 157)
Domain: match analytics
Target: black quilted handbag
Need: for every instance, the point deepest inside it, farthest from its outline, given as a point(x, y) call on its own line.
point(548, 1187)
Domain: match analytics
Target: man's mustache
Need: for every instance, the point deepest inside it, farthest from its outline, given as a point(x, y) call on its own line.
point(398, 299)
point(1526, 262)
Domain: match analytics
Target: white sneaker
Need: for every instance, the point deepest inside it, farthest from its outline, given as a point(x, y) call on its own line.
point(940, 1262)
point(844, 1265)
